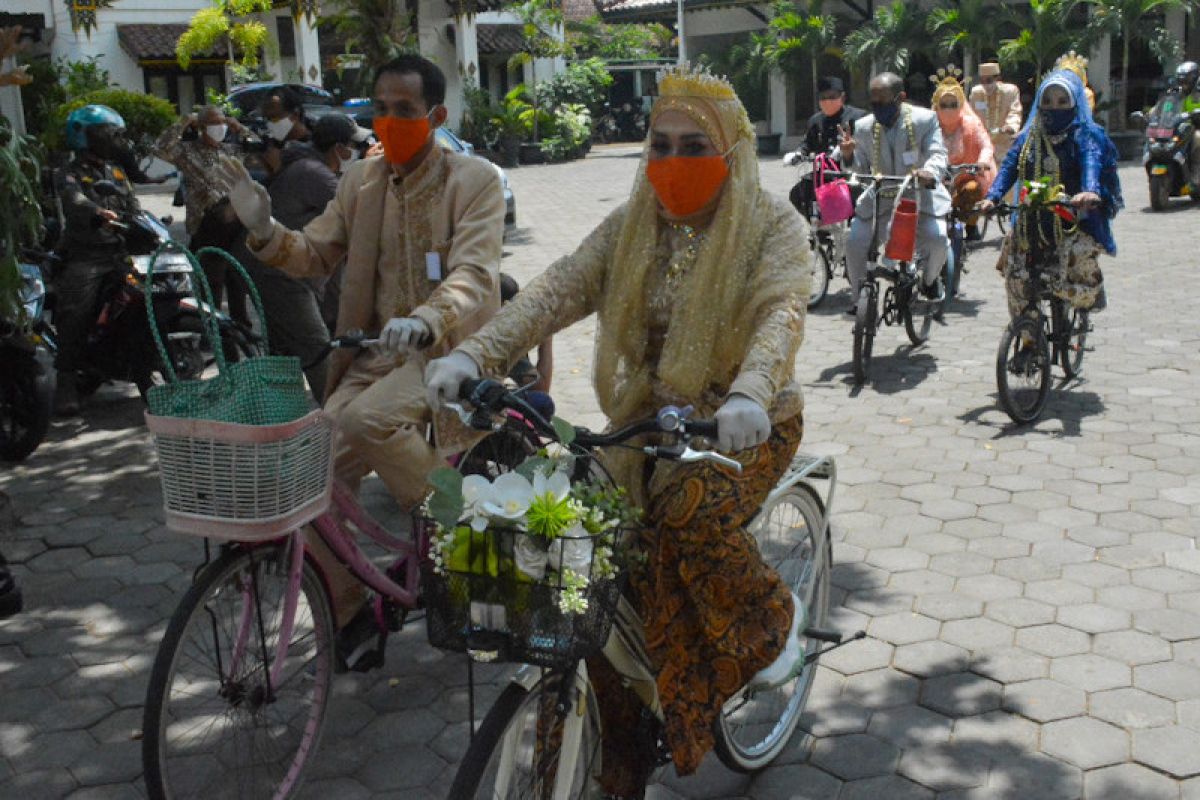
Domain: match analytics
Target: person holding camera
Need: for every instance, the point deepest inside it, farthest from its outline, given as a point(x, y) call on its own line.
point(194, 145)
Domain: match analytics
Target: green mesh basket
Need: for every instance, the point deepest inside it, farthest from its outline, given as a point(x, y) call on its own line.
point(260, 390)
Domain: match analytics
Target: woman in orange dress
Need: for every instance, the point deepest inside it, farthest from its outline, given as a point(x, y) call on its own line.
point(967, 142)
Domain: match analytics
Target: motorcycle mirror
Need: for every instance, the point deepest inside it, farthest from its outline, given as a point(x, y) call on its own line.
point(1138, 120)
point(105, 188)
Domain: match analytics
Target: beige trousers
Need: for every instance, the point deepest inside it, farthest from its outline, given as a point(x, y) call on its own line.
point(382, 418)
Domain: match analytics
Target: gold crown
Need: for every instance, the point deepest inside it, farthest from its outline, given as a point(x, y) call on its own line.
point(688, 80)
point(1074, 62)
point(947, 74)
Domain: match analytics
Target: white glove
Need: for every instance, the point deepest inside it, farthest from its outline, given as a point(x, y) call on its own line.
point(741, 424)
point(792, 158)
point(444, 377)
point(248, 197)
point(403, 335)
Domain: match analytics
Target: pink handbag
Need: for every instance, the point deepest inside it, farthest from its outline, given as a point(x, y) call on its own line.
point(833, 196)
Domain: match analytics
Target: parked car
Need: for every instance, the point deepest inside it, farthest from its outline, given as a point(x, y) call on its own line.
point(248, 97)
point(449, 140)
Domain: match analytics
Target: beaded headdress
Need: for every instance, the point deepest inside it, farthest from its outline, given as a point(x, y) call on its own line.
point(708, 99)
point(948, 80)
point(1074, 62)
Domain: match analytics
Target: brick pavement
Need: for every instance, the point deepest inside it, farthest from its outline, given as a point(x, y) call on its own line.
point(1032, 597)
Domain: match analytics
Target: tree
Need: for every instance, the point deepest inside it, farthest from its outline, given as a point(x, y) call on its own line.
point(622, 42)
point(1044, 34)
point(969, 25)
point(539, 21)
point(801, 36)
point(230, 20)
point(889, 41)
point(747, 66)
point(378, 30)
point(1134, 20)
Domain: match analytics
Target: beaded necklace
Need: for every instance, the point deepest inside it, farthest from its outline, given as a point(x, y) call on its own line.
point(683, 259)
point(878, 133)
point(1037, 160)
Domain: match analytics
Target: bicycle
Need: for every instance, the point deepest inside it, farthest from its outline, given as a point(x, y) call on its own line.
point(826, 242)
point(1033, 341)
point(956, 230)
point(902, 296)
point(541, 738)
point(240, 686)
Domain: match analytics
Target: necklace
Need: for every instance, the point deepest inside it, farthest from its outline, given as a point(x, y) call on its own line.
point(682, 258)
point(1037, 160)
point(878, 133)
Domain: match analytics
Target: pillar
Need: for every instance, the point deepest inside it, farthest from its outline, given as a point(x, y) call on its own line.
point(778, 105)
point(10, 99)
point(308, 49)
point(466, 48)
point(1176, 25)
point(1100, 70)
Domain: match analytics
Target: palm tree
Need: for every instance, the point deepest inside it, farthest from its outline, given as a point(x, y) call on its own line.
point(801, 35)
point(1044, 34)
point(1134, 20)
point(889, 40)
point(380, 30)
point(967, 24)
point(539, 21)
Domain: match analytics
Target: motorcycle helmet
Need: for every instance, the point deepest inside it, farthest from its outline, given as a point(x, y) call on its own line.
point(83, 120)
point(1187, 73)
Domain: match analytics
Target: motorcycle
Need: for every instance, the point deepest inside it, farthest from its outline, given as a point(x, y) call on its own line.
point(827, 242)
point(120, 346)
point(27, 376)
point(1169, 132)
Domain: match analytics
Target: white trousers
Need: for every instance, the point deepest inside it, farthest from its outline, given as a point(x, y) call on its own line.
point(931, 246)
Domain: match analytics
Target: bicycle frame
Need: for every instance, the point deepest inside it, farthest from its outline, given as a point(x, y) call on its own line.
point(625, 649)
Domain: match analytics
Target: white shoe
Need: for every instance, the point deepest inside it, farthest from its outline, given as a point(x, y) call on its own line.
point(790, 661)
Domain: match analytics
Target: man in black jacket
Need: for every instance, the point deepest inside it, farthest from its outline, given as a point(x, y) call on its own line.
point(823, 126)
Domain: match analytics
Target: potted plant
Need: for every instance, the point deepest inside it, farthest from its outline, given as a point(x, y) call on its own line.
point(511, 130)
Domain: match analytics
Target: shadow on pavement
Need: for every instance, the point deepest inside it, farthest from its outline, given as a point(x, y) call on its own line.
point(1066, 406)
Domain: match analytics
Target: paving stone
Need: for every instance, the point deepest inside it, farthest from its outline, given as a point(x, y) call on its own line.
point(1131, 598)
point(1129, 780)
point(996, 729)
point(1165, 579)
point(977, 634)
point(1059, 592)
point(904, 628)
point(1085, 742)
point(926, 659)
point(948, 606)
point(404, 768)
point(1053, 640)
point(961, 565)
point(1091, 673)
point(1010, 665)
point(1169, 623)
point(960, 694)
point(890, 786)
point(1094, 618)
point(1034, 776)
point(860, 656)
point(1095, 575)
point(881, 688)
point(945, 767)
point(1020, 612)
point(990, 587)
point(1169, 679)
point(1044, 700)
point(1132, 708)
point(1172, 749)
point(920, 582)
point(109, 763)
point(855, 756)
point(910, 726)
point(796, 781)
point(1028, 570)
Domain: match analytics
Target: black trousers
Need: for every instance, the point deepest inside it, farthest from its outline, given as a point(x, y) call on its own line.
point(220, 228)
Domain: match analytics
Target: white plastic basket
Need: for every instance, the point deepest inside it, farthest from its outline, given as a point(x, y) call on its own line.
point(245, 483)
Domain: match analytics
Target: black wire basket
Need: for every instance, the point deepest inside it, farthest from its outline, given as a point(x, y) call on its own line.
point(496, 613)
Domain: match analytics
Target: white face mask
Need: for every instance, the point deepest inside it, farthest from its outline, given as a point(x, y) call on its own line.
point(216, 132)
point(346, 161)
point(280, 128)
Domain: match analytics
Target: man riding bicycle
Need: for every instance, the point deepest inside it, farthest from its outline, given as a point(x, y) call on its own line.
point(895, 139)
point(420, 230)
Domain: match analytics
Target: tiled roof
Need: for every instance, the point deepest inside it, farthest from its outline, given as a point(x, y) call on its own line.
point(499, 38)
point(579, 9)
point(157, 42)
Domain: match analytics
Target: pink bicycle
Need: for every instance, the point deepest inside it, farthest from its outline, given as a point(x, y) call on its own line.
point(241, 683)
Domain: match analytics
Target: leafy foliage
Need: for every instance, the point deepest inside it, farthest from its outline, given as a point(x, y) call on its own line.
point(145, 117)
point(592, 37)
point(583, 83)
point(746, 65)
point(229, 20)
point(20, 213)
point(56, 82)
point(379, 30)
point(969, 25)
point(889, 41)
point(1043, 36)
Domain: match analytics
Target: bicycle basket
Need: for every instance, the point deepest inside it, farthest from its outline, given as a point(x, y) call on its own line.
point(243, 482)
point(478, 601)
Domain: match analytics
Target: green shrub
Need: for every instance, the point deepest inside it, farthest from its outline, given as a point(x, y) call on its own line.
point(145, 117)
point(584, 83)
point(479, 125)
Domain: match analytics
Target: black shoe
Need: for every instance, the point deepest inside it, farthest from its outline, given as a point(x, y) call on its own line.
point(973, 234)
point(931, 291)
point(360, 644)
point(1020, 363)
point(10, 596)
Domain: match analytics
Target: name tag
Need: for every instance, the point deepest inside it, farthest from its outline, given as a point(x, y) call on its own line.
point(981, 105)
point(433, 266)
point(909, 158)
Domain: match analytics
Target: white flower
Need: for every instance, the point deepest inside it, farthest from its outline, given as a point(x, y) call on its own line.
point(558, 485)
point(572, 552)
point(476, 491)
point(510, 498)
point(529, 558)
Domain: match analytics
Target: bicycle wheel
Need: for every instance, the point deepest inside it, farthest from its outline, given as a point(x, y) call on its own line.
point(794, 540)
point(1023, 373)
point(864, 334)
point(524, 749)
point(1071, 354)
point(918, 312)
point(213, 727)
point(821, 271)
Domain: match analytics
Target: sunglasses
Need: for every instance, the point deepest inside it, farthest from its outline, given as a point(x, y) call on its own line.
point(948, 106)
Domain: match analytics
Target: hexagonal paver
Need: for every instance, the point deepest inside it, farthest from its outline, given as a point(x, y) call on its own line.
point(1132, 708)
point(1174, 750)
point(1169, 679)
point(1059, 592)
point(945, 767)
point(859, 656)
point(920, 582)
point(880, 688)
point(925, 659)
point(977, 634)
point(1089, 672)
point(1028, 570)
point(1131, 647)
point(961, 694)
point(1131, 598)
point(1053, 640)
point(857, 755)
point(904, 628)
point(1010, 664)
point(1129, 780)
point(1169, 623)
point(897, 559)
point(1044, 700)
point(910, 726)
point(947, 510)
point(997, 729)
point(892, 787)
point(1020, 612)
point(1165, 579)
point(948, 606)
point(1085, 742)
point(989, 587)
point(962, 565)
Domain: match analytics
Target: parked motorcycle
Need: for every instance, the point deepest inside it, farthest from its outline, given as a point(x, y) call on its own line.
point(120, 347)
point(27, 374)
point(1169, 131)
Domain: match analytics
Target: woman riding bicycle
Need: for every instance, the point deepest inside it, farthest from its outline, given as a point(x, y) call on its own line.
point(967, 142)
point(700, 281)
point(1061, 144)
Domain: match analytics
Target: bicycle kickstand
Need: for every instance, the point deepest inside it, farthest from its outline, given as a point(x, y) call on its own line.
point(829, 636)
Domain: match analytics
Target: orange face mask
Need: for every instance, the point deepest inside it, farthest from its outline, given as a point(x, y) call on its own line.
point(401, 138)
point(686, 184)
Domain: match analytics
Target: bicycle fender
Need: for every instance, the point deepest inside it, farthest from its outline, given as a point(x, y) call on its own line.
point(804, 469)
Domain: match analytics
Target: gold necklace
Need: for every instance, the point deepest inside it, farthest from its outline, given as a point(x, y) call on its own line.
point(682, 259)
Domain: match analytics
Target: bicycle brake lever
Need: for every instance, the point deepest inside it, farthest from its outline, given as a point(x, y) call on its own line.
point(463, 415)
point(690, 456)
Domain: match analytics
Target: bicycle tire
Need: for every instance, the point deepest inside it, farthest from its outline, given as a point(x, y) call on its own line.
point(1071, 353)
point(191, 773)
point(1023, 404)
point(864, 334)
point(753, 728)
point(918, 327)
point(481, 773)
point(821, 273)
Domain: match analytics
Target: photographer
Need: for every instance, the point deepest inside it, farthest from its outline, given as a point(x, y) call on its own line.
point(194, 145)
